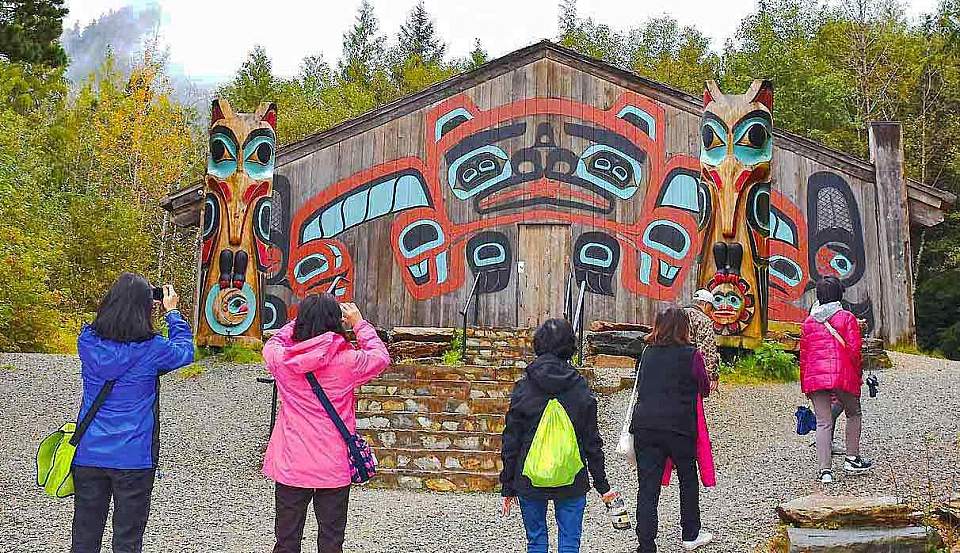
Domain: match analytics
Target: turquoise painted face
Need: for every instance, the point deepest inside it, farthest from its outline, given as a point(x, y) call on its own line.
point(258, 154)
point(751, 140)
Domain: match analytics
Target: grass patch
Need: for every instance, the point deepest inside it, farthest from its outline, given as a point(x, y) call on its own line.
point(242, 355)
point(454, 353)
point(7, 367)
point(232, 353)
point(768, 363)
point(913, 349)
point(193, 370)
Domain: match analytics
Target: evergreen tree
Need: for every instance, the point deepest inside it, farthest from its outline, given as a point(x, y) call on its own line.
point(30, 31)
point(254, 82)
point(363, 48)
point(418, 37)
point(477, 57)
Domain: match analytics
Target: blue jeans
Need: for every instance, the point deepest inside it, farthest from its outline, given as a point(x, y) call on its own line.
point(569, 520)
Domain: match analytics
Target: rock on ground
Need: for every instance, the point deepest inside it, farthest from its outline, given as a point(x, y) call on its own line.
point(210, 496)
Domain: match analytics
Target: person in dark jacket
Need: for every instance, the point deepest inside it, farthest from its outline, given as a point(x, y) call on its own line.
point(117, 457)
point(664, 425)
point(551, 376)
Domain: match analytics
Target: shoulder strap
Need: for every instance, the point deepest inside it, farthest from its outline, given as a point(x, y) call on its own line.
point(835, 334)
point(88, 417)
point(328, 407)
point(636, 386)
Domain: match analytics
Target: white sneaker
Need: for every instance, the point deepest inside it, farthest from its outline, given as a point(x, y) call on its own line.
point(702, 539)
point(826, 476)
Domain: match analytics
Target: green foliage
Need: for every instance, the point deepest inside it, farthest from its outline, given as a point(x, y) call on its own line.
point(418, 37)
point(938, 313)
point(768, 363)
point(454, 353)
point(241, 355)
point(30, 29)
point(194, 370)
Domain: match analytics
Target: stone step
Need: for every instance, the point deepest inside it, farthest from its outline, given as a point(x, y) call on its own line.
point(459, 389)
point(911, 539)
point(408, 420)
point(404, 371)
point(834, 511)
point(438, 459)
point(438, 481)
point(433, 404)
point(469, 372)
point(432, 439)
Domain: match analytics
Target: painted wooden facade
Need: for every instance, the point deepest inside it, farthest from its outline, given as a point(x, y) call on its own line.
point(545, 164)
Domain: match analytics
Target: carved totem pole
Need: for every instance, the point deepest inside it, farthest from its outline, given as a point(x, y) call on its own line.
point(735, 157)
point(238, 187)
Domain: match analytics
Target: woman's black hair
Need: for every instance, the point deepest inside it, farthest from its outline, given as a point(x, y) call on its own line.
point(555, 336)
point(829, 289)
point(124, 314)
point(317, 314)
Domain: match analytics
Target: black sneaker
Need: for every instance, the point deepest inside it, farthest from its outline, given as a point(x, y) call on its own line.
point(856, 464)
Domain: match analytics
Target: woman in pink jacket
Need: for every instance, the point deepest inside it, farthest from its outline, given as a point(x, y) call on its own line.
point(307, 457)
point(830, 366)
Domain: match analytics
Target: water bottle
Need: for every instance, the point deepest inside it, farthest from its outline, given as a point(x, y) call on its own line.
point(617, 511)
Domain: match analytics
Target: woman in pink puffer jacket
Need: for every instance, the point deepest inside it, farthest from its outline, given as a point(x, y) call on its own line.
point(306, 456)
point(830, 367)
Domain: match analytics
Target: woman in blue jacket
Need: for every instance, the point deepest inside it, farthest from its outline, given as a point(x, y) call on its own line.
point(117, 457)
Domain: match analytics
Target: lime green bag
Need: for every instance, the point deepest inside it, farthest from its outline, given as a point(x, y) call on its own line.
point(56, 451)
point(554, 456)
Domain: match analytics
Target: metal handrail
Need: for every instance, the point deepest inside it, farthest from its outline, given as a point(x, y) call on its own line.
point(578, 320)
point(578, 314)
point(567, 299)
point(476, 314)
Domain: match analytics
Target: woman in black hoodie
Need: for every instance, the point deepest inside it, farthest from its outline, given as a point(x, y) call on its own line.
point(551, 376)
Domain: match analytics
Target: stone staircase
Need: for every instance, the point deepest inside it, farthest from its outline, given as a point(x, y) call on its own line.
point(437, 427)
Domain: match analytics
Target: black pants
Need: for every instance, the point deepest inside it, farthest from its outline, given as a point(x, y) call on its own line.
point(130, 490)
point(653, 448)
point(330, 506)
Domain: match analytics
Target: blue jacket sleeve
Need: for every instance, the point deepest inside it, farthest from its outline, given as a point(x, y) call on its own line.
point(176, 350)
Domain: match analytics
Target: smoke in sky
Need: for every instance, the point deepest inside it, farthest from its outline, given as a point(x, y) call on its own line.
point(123, 32)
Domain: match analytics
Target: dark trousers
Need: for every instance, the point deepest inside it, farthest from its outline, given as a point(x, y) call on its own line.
point(130, 490)
point(330, 506)
point(653, 447)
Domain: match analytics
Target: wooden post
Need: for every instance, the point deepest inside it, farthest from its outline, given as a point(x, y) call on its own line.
point(893, 228)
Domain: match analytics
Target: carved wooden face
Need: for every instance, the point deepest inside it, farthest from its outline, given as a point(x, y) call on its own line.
point(238, 191)
point(735, 153)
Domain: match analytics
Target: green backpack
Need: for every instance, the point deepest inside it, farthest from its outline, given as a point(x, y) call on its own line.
point(56, 451)
point(554, 456)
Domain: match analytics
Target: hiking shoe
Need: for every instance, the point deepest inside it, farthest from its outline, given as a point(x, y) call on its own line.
point(856, 464)
point(702, 539)
point(826, 476)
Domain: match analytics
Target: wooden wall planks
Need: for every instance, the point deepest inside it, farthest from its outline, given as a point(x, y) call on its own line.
point(379, 282)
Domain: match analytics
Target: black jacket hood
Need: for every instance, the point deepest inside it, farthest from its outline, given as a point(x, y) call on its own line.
point(552, 374)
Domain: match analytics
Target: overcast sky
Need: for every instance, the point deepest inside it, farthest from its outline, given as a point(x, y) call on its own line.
point(208, 40)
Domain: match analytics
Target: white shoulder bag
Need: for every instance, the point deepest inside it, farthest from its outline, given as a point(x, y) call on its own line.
point(625, 447)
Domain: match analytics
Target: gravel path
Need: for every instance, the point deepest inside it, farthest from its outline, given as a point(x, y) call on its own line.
point(210, 496)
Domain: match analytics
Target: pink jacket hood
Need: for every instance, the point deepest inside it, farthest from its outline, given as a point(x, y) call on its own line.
point(827, 363)
point(305, 448)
